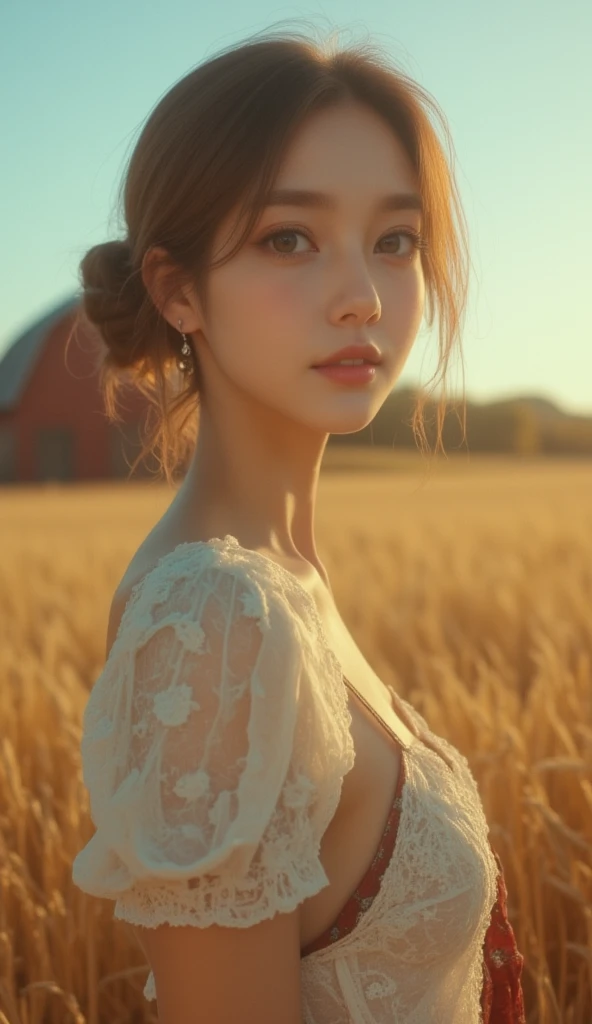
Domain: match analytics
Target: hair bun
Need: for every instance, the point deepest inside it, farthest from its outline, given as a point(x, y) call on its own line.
point(113, 295)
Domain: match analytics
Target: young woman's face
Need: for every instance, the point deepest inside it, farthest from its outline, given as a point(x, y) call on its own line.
point(349, 274)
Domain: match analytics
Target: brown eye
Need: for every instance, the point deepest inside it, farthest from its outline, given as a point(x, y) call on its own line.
point(415, 240)
point(282, 235)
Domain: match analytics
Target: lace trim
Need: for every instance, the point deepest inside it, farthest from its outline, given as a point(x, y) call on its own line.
point(230, 905)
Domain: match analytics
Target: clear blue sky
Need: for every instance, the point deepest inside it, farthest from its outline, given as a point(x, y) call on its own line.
point(514, 79)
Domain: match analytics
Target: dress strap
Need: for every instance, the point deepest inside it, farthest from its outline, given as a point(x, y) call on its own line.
point(384, 725)
point(405, 746)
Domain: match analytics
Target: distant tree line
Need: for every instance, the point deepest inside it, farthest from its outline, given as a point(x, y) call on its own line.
point(518, 426)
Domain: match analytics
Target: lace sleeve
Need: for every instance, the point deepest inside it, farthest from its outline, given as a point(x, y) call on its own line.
point(209, 786)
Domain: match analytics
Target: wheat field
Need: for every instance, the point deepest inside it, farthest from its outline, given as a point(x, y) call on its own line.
point(468, 587)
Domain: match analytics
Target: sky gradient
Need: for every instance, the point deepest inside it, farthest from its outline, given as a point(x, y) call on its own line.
point(513, 79)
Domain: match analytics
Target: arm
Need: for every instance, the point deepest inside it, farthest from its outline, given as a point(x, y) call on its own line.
point(204, 835)
point(227, 975)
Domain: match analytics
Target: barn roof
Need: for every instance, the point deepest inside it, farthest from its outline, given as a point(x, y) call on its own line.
point(18, 362)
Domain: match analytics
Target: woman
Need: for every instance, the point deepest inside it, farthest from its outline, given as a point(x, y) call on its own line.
point(286, 836)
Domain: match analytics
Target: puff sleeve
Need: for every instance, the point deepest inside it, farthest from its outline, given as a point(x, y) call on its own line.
point(211, 775)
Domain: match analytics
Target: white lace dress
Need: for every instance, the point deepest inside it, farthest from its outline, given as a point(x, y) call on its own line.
point(215, 742)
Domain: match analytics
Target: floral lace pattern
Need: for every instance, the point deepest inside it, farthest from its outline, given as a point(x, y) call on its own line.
point(211, 787)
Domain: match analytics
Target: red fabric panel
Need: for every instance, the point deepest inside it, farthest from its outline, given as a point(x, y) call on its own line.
point(502, 999)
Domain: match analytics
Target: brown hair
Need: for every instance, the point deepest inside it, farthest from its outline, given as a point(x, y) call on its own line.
point(216, 139)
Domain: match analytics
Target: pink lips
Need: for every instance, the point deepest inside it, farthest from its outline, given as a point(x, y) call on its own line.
point(355, 375)
point(366, 351)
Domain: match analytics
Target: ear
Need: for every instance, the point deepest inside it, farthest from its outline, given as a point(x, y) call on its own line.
point(173, 299)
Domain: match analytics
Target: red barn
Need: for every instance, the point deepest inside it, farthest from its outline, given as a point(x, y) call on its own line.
point(53, 425)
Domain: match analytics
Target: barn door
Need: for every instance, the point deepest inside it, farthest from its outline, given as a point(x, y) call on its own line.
point(54, 454)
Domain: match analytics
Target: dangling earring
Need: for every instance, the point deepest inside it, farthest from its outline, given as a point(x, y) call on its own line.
point(185, 363)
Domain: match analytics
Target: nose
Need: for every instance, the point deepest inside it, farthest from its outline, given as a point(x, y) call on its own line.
point(357, 297)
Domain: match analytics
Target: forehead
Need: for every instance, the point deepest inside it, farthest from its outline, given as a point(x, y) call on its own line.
point(349, 147)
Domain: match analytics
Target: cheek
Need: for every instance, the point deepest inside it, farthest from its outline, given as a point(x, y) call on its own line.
point(257, 301)
point(257, 336)
point(274, 299)
point(260, 323)
point(406, 307)
point(418, 302)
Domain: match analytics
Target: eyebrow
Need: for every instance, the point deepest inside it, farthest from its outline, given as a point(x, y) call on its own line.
point(322, 201)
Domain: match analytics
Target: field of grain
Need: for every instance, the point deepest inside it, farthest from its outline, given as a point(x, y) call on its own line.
point(469, 589)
